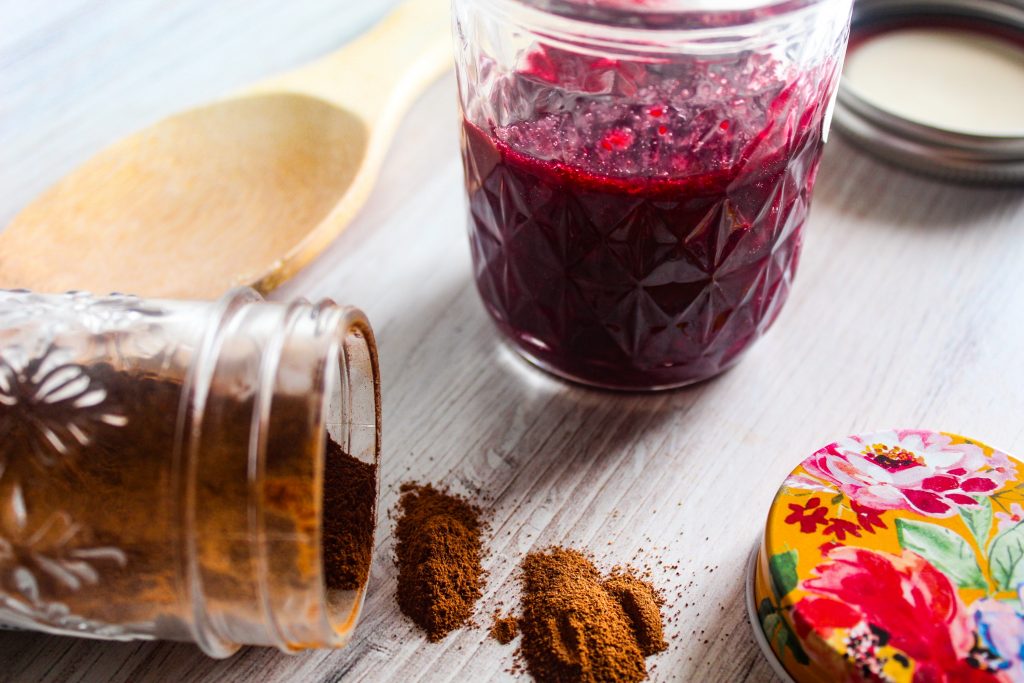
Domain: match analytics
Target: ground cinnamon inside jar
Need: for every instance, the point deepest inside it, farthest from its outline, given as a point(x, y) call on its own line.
point(578, 626)
point(104, 521)
point(438, 555)
point(350, 493)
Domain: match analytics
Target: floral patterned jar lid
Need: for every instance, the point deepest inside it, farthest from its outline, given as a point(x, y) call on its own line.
point(895, 556)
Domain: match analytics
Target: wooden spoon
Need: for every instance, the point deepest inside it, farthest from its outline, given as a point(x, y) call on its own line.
point(243, 191)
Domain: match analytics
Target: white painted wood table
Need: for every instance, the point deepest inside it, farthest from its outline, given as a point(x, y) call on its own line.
point(908, 310)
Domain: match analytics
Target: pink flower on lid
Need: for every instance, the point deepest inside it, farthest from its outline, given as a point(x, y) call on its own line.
point(1012, 518)
point(920, 471)
point(902, 601)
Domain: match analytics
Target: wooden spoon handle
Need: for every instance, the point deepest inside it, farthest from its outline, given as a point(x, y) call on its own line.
point(379, 74)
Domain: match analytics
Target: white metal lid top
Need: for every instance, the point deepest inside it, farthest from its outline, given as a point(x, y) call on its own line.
point(938, 86)
point(946, 78)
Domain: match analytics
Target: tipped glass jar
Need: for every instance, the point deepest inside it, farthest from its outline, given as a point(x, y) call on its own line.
point(639, 174)
point(192, 471)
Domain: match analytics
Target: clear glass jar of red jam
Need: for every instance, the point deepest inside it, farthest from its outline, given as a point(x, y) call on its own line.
point(639, 173)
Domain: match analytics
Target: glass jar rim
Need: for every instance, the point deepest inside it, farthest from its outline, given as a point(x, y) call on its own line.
point(588, 26)
point(666, 15)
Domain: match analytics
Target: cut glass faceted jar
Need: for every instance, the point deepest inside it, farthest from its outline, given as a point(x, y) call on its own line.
point(639, 174)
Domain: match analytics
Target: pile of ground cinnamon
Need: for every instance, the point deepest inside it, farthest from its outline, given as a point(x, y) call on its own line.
point(350, 494)
point(579, 626)
point(504, 628)
point(642, 605)
point(438, 554)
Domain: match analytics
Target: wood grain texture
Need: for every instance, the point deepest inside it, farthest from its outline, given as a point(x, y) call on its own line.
point(908, 310)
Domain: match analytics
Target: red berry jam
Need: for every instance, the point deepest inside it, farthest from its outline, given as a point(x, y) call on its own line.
point(642, 241)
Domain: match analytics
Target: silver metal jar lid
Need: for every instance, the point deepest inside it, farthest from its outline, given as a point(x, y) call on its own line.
point(918, 146)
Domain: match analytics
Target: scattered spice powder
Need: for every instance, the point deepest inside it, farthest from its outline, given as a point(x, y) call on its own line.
point(350, 493)
point(579, 627)
point(438, 554)
point(504, 628)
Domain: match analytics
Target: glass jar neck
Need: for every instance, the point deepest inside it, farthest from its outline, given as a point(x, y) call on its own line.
point(275, 391)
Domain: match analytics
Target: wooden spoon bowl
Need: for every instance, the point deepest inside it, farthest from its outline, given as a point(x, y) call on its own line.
point(242, 191)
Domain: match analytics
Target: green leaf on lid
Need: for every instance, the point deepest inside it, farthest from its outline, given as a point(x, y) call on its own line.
point(779, 633)
point(773, 627)
point(944, 548)
point(1006, 558)
point(794, 645)
point(783, 570)
point(979, 519)
point(765, 608)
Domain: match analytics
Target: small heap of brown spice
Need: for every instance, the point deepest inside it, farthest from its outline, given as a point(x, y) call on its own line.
point(438, 553)
point(642, 604)
point(579, 627)
point(350, 493)
point(504, 628)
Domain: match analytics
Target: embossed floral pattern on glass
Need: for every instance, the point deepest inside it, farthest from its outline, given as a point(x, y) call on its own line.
point(51, 404)
point(37, 554)
point(55, 405)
